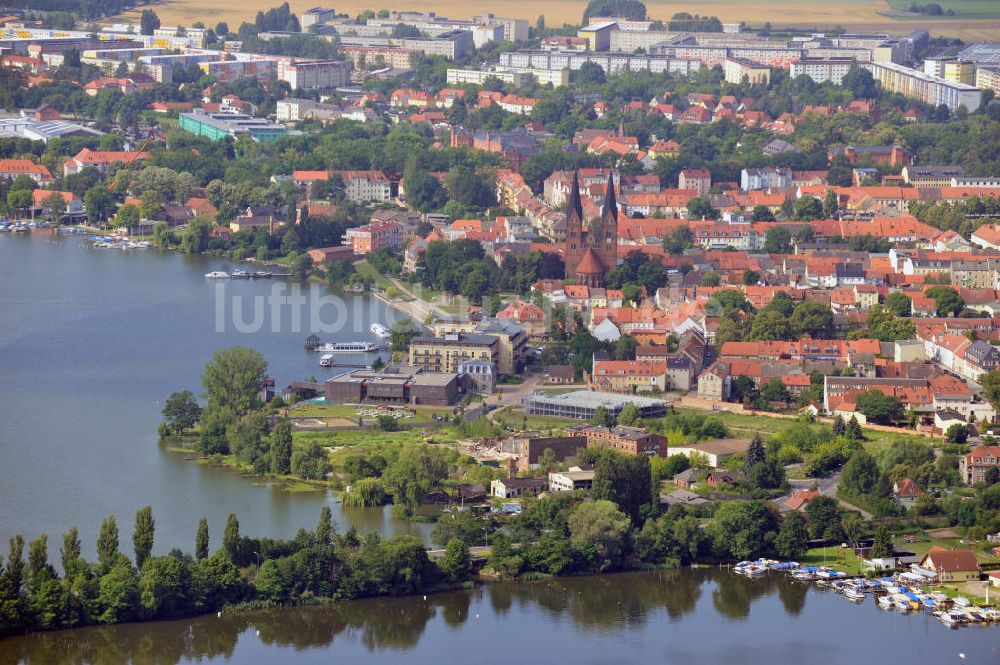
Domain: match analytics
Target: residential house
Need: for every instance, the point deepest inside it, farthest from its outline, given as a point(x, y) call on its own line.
point(905, 492)
point(372, 237)
point(716, 451)
point(952, 565)
point(101, 160)
point(974, 465)
point(686, 479)
point(366, 186)
point(699, 180)
point(11, 169)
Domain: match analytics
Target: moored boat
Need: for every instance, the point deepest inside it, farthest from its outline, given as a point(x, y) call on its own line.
point(217, 274)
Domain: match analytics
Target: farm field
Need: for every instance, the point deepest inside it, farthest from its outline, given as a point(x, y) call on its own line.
point(973, 20)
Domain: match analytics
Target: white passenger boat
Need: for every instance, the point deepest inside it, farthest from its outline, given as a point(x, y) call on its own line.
point(347, 347)
point(380, 331)
point(326, 360)
point(217, 274)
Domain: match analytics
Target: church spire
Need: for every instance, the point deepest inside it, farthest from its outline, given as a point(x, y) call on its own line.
point(575, 206)
point(610, 206)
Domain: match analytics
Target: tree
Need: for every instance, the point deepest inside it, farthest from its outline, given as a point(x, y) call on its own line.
point(118, 596)
point(860, 82)
point(234, 379)
point(413, 474)
point(625, 348)
point(629, 415)
point(180, 412)
point(839, 426)
point(841, 173)
point(853, 527)
point(164, 584)
point(55, 207)
point(148, 22)
point(231, 539)
point(711, 279)
point(793, 536)
point(750, 277)
point(861, 473)
point(281, 448)
point(957, 433)
point(755, 453)
point(700, 208)
point(808, 208)
point(991, 387)
point(456, 561)
point(602, 418)
point(107, 542)
point(830, 204)
point(201, 540)
point(899, 303)
point(195, 239)
point(778, 240)
point(762, 213)
point(680, 238)
point(770, 325)
point(97, 203)
point(774, 391)
point(324, 529)
point(142, 536)
point(878, 407)
point(599, 524)
point(824, 518)
point(401, 334)
point(882, 546)
point(127, 216)
point(625, 480)
point(310, 461)
point(812, 318)
point(71, 550)
point(946, 300)
point(853, 430)
point(741, 528)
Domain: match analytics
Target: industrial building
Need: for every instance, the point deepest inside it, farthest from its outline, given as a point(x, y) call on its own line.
point(582, 404)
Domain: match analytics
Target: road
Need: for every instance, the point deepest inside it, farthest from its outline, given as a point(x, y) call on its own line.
point(506, 395)
point(827, 487)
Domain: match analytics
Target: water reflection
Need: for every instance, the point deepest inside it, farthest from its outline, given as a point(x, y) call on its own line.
point(601, 605)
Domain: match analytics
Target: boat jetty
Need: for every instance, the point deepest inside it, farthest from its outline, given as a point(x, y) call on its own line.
point(900, 592)
point(242, 274)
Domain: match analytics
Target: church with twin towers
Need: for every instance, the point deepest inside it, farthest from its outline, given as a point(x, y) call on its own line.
point(591, 249)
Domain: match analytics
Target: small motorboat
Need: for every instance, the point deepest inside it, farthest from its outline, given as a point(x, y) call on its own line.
point(217, 274)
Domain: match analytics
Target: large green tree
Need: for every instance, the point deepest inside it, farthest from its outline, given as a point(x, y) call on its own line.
point(234, 379)
point(142, 535)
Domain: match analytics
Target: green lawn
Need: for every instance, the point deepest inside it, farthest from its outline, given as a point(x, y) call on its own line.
point(365, 269)
point(517, 418)
point(839, 558)
point(964, 9)
point(307, 410)
point(747, 424)
point(371, 439)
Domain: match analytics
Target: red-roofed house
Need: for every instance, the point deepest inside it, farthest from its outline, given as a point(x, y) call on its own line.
point(952, 565)
point(12, 168)
point(40, 198)
point(906, 492)
point(629, 375)
point(100, 160)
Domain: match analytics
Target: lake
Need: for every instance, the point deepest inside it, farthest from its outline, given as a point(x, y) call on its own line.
point(705, 616)
point(91, 343)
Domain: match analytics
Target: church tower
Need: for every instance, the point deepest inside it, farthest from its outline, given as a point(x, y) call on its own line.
point(591, 252)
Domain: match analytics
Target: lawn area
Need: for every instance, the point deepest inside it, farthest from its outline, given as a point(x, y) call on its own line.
point(747, 424)
point(365, 269)
point(839, 558)
point(517, 418)
point(307, 410)
point(962, 8)
point(374, 439)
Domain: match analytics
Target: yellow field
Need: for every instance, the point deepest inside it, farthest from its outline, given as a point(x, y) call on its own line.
point(853, 14)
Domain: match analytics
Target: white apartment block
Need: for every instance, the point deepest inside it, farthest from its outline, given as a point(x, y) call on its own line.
point(929, 89)
point(820, 71)
point(314, 74)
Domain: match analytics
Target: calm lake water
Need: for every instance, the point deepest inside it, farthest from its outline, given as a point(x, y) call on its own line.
point(91, 343)
point(689, 617)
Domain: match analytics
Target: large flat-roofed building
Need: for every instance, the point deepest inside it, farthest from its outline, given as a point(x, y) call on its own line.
point(738, 69)
point(314, 74)
point(598, 35)
point(582, 404)
point(568, 481)
point(316, 16)
point(924, 87)
point(716, 452)
point(215, 126)
point(514, 29)
point(627, 440)
point(445, 354)
point(611, 63)
point(821, 70)
point(396, 384)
